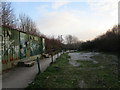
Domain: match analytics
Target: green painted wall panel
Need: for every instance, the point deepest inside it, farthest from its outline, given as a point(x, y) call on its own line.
point(23, 45)
point(18, 45)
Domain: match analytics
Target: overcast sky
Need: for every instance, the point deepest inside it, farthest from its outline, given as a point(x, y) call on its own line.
point(85, 19)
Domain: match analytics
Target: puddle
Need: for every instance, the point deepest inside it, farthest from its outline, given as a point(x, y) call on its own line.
point(81, 57)
point(82, 84)
point(95, 62)
point(74, 63)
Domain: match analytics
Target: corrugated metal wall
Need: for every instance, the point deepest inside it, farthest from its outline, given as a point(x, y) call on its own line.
point(16, 45)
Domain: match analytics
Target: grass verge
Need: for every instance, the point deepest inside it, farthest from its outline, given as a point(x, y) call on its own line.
point(61, 74)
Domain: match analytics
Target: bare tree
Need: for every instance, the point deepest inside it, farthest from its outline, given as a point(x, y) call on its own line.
point(72, 42)
point(26, 24)
point(71, 39)
point(7, 15)
point(75, 40)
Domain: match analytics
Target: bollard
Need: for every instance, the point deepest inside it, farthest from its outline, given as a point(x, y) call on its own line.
point(57, 55)
point(38, 66)
point(52, 58)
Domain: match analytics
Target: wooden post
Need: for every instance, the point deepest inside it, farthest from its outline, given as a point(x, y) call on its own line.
point(52, 58)
point(38, 66)
point(57, 54)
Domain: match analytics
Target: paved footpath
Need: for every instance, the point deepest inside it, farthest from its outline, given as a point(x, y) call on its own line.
point(20, 77)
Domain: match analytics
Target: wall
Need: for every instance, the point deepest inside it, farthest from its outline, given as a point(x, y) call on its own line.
point(16, 46)
point(0, 50)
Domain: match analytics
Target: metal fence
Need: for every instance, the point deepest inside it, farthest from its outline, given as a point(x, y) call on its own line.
point(16, 45)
